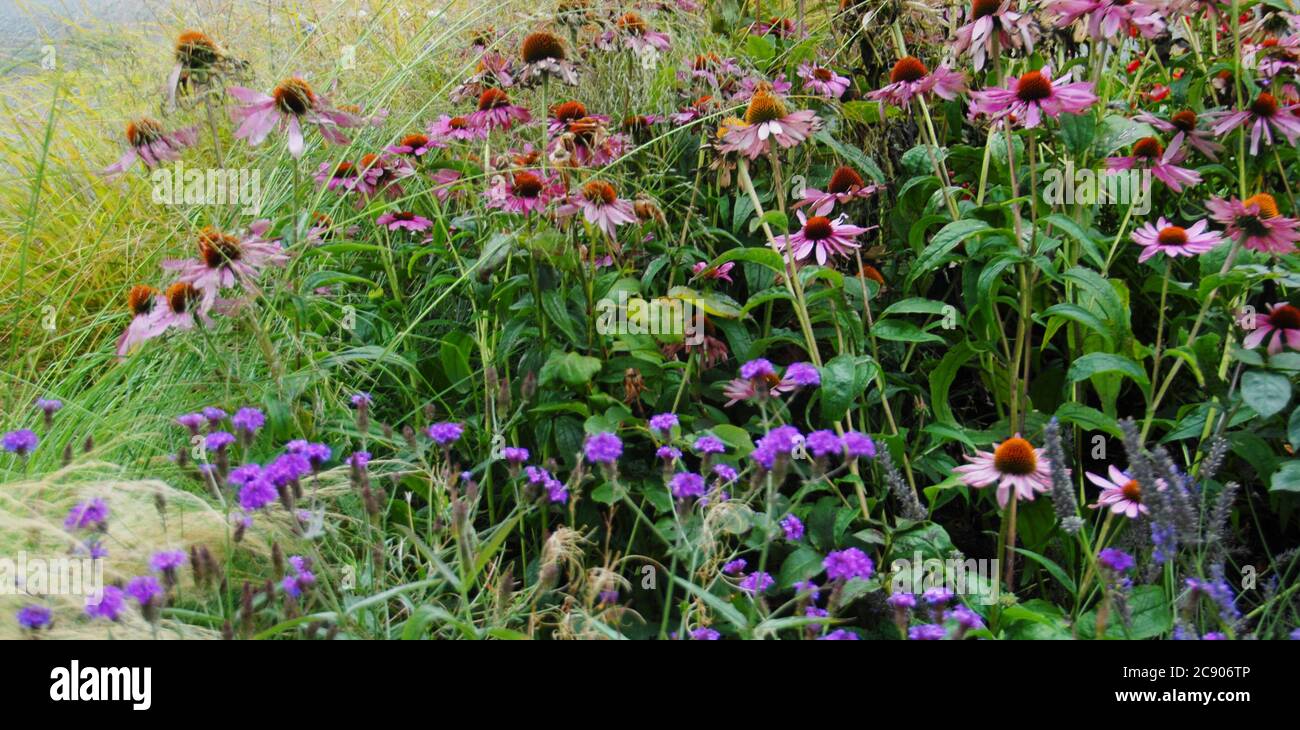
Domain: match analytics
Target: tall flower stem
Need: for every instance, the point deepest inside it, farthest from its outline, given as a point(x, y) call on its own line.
point(791, 276)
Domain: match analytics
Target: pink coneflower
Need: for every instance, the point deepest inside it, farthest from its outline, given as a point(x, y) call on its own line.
point(701, 269)
point(225, 260)
point(750, 85)
point(1163, 163)
point(695, 110)
point(766, 119)
point(822, 81)
point(1273, 56)
point(340, 177)
point(1282, 322)
point(1256, 224)
point(457, 129)
point(776, 26)
point(1264, 116)
point(183, 301)
point(444, 183)
point(989, 19)
point(403, 220)
point(544, 57)
point(524, 192)
point(1013, 464)
point(416, 145)
point(1121, 493)
point(152, 145)
point(600, 206)
point(1033, 95)
point(494, 70)
point(820, 235)
point(1106, 18)
point(564, 113)
point(143, 302)
point(1174, 241)
point(845, 186)
point(909, 78)
point(586, 142)
point(1184, 124)
point(198, 61)
point(634, 34)
point(290, 105)
point(382, 173)
point(496, 112)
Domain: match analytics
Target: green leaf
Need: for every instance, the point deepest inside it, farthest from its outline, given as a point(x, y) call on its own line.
point(943, 243)
point(844, 377)
point(1267, 393)
point(570, 368)
point(761, 255)
point(1089, 419)
point(1293, 429)
point(941, 381)
point(1150, 616)
point(802, 564)
point(1055, 570)
point(1095, 363)
point(902, 331)
point(854, 155)
point(1286, 478)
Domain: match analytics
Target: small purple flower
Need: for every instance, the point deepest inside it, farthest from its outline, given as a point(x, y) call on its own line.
point(664, 423)
point(710, 445)
point(840, 635)
point(967, 619)
point(926, 632)
point(287, 468)
point(317, 455)
point(241, 475)
point(359, 460)
point(705, 635)
point(109, 605)
point(536, 475)
point(445, 433)
point(1115, 560)
point(556, 491)
point(1295, 634)
point(515, 454)
point(824, 443)
point(144, 589)
point(801, 375)
point(218, 440)
point(725, 473)
point(361, 399)
point(904, 601)
point(737, 566)
point(848, 564)
point(290, 585)
point(91, 514)
point(49, 406)
point(1214, 636)
point(249, 420)
point(687, 484)
point(214, 415)
point(34, 618)
point(668, 453)
point(859, 445)
point(793, 528)
point(813, 590)
point(166, 560)
point(191, 421)
point(756, 583)
point(603, 448)
point(937, 597)
point(20, 442)
point(256, 494)
point(757, 369)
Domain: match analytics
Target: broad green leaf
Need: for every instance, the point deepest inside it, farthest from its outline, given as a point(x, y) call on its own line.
point(1266, 392)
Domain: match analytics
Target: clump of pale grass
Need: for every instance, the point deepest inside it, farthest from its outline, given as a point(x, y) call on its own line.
point(146, 515)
